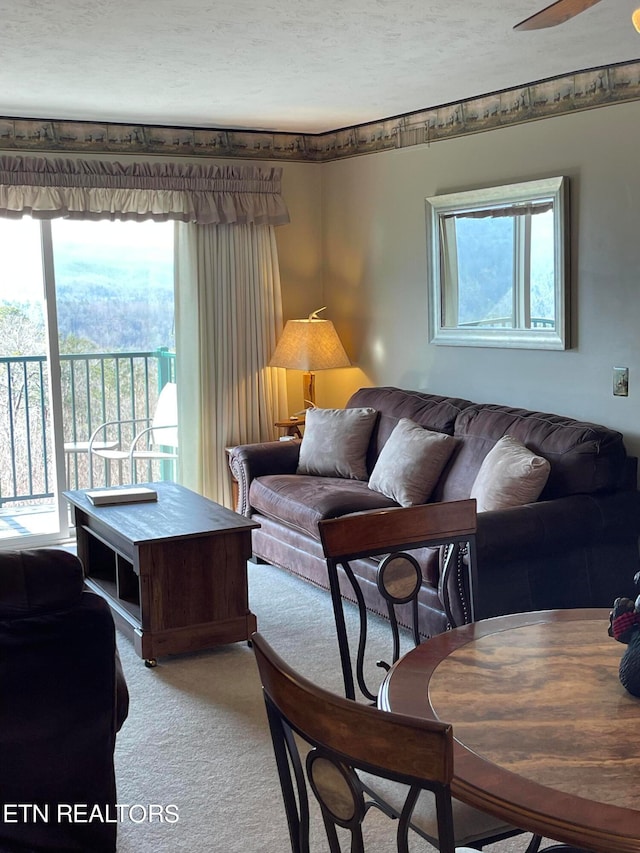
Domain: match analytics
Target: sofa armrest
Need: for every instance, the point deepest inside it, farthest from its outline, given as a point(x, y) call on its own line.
point(248, 461)
point(548, 554)
point(548, 526)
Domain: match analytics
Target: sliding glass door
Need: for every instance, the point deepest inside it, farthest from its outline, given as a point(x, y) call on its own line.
point(30, 459)
point(86, 336)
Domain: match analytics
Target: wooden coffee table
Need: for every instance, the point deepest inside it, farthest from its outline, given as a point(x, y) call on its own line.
point(174, 572)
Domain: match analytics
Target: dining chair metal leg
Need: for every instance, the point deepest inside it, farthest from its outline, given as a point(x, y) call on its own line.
point(341, 628)
point(384, 538)
point(534, 845)
point(296, 803)
point(445, 827)
point(398, 580)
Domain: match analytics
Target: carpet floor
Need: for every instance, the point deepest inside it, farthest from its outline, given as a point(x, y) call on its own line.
point(194, 764)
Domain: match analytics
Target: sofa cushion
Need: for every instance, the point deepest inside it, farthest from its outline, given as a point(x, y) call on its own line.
point(301, 501)
point(410, 463)
point(585, 458)
point(335, 442)
point(429, 410)
point(510, 475)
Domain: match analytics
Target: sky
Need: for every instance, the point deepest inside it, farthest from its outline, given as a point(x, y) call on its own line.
point(20, 254)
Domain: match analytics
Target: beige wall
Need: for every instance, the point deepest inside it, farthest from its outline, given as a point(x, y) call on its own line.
point(300, 257)
point(375, 266)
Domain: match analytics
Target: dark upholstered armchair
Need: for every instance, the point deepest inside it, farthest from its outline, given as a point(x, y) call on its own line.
point(63, 697)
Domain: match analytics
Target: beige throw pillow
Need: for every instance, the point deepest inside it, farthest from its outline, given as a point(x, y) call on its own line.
point(335, 442)
point(510, 475)
point(410, 463)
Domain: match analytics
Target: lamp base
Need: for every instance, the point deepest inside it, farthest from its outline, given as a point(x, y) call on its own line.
point(309, 389)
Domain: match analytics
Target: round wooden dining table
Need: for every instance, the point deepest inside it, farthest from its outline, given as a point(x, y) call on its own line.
point(546, 737)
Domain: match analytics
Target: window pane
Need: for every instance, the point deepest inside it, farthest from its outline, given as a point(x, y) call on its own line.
point(485, 271)
point(114, 296)
point(497, 266)
point(21, 289)
point(27, 474)
point(114, 301)
point(114, 285)
point(543, 309)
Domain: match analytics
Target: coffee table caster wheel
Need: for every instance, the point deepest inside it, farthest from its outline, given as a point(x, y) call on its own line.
point(151, 662)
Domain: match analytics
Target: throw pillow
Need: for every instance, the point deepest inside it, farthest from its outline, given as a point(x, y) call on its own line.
point(510, 475)
point(335, 442)
point(410, 463)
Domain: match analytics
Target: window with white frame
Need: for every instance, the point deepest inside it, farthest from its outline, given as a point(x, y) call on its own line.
point(497, 266)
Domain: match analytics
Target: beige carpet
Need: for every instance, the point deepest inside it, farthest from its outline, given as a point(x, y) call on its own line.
point(196, 738)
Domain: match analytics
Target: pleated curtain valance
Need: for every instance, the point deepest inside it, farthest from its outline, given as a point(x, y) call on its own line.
point(92, 189)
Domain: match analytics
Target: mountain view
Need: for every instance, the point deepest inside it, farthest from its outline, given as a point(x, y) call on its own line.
point(115, 303)
point(113, 294)
point(114, 286)
point(486, 264)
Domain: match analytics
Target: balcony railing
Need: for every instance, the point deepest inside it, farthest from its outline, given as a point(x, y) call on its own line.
point(96, 387)
point(507, 323)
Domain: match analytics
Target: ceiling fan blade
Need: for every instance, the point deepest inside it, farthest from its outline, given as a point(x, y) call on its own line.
point(556, 13)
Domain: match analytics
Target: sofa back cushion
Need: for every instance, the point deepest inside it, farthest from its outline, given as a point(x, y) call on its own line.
point(585, 457)
point(428, 410)
point(39, 581)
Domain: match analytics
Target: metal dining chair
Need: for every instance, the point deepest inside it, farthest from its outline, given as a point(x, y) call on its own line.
point(388, 537)
point(353, 749)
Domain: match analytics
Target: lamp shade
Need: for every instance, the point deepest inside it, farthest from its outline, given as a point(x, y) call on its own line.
point(310, 344)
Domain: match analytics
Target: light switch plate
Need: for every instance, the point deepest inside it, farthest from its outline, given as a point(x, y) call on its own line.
point(620, 381)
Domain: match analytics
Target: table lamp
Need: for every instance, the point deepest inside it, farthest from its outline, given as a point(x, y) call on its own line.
point(309, 345)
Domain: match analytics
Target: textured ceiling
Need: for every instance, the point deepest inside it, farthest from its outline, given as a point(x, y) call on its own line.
point(279, 65)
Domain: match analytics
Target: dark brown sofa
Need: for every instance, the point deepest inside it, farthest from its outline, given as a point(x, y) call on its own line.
point(63, 698)
point(577, 546)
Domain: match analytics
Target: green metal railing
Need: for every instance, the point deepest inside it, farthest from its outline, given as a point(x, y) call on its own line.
point(95, 387)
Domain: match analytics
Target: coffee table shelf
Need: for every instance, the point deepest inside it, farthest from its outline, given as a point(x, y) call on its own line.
point(174, 572)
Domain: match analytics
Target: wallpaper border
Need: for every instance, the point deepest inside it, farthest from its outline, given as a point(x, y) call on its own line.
point(582, 90)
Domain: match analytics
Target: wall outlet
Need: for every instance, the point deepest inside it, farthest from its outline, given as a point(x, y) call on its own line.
point(620, 381)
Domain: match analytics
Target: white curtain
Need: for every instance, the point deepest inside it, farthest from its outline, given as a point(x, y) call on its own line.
point(228, 319)
point(228, 306)
point(450, 283)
